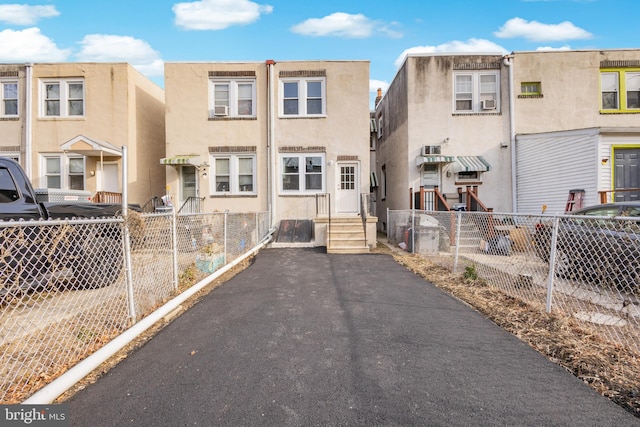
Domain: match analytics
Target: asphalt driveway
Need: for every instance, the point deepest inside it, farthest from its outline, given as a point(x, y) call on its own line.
point(305, 338)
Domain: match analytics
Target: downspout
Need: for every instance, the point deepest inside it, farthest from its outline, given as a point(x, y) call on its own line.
point(508, 62)
point(271, 154)
point(28, 119)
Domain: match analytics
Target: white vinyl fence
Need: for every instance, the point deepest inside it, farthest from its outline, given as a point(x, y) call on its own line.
point(69, 287)
point(585, 267)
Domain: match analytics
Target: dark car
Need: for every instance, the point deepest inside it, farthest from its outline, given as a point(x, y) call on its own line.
point(599, 244)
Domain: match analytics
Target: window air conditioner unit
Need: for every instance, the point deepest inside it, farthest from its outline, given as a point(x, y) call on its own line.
point(489, 104)
point(430, 149)
point(221, 110)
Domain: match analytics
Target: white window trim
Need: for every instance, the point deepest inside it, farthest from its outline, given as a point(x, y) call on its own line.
point(380, 126)
point(64, 98)
point(233, 96)
point(476, 104)
point(64, 169)
point(302, 96)
point(301, 173)
point(3, 98)
point(234, 174)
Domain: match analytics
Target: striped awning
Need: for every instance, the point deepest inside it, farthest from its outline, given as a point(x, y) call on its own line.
point(421, 160)
point(471, 164)
point(189, 159)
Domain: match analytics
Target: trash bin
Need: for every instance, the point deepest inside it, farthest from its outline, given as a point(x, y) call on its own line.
point(427, 240)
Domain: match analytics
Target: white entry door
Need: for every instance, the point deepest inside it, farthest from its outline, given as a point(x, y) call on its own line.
point(110, 178)
point(347, 193)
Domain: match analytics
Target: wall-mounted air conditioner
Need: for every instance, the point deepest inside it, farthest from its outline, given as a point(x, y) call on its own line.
point(430, 149)
point(488, 104)
point(221, 110)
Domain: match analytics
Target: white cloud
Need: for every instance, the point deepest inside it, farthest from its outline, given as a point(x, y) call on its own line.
point(456, 46)
point(341, 24)
point(29, 45)
point(217, 14)
point(553, 48)
point(22, 14)
point(537, 31)
point(112, 48)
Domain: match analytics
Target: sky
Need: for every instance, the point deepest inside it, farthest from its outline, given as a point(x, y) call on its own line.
point(146, 33)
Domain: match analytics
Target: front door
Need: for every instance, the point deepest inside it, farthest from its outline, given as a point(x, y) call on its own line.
point(188, 183)
point(347, 193)
point(627, 173)
point(108, 179)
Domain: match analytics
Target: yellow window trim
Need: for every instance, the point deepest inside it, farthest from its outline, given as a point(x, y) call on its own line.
point(622, 90)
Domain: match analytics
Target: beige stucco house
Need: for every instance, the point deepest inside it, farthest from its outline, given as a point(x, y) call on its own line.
point(289, 138)
point(66, 123)
point(520, 131)
point(443, 123)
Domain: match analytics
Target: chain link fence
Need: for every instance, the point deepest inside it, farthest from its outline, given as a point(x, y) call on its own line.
point(69, 287)
point(583, 266)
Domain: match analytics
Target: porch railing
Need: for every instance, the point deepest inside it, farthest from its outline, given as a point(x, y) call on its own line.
point(473, 202)
point(323, 207)
point(192, 205)
point(107, 197)
point(608, 196)
point(430, 199)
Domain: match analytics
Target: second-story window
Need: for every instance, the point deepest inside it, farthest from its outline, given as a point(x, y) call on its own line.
point(232, 98)
point(620, 90)
point(62, 98)
point(476, 92)
point(302, 97)
point(9, 94)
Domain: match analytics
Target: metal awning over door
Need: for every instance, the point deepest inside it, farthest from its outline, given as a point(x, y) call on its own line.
point(185, 159)
point(471, 164)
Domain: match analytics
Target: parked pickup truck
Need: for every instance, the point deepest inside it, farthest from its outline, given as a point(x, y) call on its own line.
point(39, 257)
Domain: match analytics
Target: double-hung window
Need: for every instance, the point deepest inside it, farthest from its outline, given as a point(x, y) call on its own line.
point(9, 95)
point(63, 171)
point(232, 98)
point(302, 173)
point(476, 92)
point(233, 174)
point(62, 98)
point(620, 90)
point(302, 97)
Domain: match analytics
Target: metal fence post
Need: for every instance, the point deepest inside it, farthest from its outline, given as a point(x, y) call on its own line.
point(552, 262)
point(413, 231)
point(226, 216)
point(174, 243)
point(457, 241)
point(127, 241)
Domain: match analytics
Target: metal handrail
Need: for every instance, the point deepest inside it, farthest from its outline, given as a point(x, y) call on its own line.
point(192, 205)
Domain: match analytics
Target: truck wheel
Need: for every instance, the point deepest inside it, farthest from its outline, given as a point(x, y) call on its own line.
point(100, 262)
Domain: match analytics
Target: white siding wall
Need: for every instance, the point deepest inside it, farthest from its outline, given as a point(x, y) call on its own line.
point(549, 165)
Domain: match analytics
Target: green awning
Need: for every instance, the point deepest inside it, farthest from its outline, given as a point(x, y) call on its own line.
point(190, 159)
point(421, 160)
point(471, 164)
